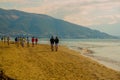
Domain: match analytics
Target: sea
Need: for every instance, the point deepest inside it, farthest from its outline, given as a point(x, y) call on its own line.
point(104, 51)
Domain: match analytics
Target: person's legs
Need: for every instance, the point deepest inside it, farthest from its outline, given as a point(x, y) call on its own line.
point(27, 44)
point(8, 42)
point(22, 44)
point(52, 48)
point(17, 42)
point(56, 47)
point(32, 44)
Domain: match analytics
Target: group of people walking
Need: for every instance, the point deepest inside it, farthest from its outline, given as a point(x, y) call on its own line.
point(22, 40)
point(54, 41)
point(5, 39)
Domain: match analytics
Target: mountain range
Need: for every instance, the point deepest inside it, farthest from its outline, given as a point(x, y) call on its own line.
point(16, 23)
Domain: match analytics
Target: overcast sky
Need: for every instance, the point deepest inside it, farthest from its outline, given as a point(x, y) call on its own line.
point(103, 15)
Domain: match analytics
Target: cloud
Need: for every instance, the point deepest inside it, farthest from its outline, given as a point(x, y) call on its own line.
point(84, 12)
point(91, 20)
point(81, 20)
point(18, 4)
point(12, 1)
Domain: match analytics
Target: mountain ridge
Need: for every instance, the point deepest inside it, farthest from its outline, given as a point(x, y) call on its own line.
point(41, 25)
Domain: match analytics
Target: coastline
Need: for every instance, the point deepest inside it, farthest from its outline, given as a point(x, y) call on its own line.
point(41, 63)
point(100, 58)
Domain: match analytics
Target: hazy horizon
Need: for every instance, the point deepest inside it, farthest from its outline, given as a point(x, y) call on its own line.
point(102, 15)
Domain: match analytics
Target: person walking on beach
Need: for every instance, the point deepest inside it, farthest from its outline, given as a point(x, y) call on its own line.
point(17, 41)
point(33, 40)
point(52, 43)
point(8, 40)
point(23, 41)
point(36, 40)
point(2, 38)
point(28, 42)
point(56, 43)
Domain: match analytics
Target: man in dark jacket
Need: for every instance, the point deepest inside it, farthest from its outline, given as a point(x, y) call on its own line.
point(52, 43)
point(56, 43)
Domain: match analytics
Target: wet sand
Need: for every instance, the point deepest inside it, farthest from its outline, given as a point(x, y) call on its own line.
point(107, 54)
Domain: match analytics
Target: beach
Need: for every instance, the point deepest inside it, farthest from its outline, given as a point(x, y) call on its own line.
point(103, 51)
point(40, 63)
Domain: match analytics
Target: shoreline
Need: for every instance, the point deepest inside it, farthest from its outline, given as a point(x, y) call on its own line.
point(112, 64)
point(90, 53)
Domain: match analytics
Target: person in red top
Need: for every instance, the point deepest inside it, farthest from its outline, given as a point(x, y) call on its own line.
point(36, 40)
point(33, 40)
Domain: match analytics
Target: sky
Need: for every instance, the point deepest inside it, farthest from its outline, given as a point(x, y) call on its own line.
point(103, 15)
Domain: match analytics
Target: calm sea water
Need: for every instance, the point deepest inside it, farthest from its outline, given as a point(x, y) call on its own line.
point(105, 51)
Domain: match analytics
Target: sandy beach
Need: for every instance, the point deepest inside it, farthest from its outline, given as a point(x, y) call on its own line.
point(40, 63)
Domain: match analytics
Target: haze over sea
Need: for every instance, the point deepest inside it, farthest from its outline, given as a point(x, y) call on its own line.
point(105, 51)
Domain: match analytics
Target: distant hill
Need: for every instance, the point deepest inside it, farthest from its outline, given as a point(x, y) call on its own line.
point(14, 22)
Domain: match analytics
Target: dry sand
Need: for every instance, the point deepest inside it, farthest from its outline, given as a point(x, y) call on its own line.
point(39, 63)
